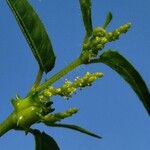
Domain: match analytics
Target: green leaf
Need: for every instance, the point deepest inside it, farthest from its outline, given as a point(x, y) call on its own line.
point(77, 128)
point(121, 65)
point(34, 32)
point(85, 6)
point(107, 20)
point(44, 141)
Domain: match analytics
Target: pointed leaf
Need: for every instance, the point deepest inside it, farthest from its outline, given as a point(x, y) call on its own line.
point(85, 6)
point(121, 65)
point(44, 141)
point(108, 20)
point(34, 32)
point(77, 128)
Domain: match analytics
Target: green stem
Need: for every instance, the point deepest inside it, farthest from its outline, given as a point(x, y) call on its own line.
point(7, 125)
point(38, 79)
point(60, 74)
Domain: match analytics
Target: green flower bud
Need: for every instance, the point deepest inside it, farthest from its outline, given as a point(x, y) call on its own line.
point(116, 33)
point(99, 47)
point(86, 46)
point(100, 32)
point(96, 41)
point(88, 79)
point(124, 28)
point(68, 88)
point(48, 93)
point(104, 40)
point(52, 118)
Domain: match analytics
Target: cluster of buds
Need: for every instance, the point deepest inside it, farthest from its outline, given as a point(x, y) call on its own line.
point(52, 118)
point(97, 41)
point(68, 88)
point(100, 37)
point(87, 80)
point(114, 35)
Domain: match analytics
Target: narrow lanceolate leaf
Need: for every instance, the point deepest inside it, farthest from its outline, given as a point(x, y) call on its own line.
point(85, 6)
point(44, 141)
point(34, 32)
point(77, 128)
point(121, 65)
point(107, 20)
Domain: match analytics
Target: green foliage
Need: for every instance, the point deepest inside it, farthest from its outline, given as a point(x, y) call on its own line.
point(121, 65)
point(34, 32)
point(43, 141)
point(77, 128)
point(109, 17)
point(86, 15)
point(36, 107)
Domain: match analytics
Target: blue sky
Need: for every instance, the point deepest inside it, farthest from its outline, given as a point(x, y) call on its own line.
point(109, 108)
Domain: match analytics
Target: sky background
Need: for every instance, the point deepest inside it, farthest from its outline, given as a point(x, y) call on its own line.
point(109, 108)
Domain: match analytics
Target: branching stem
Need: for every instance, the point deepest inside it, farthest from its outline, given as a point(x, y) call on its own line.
point(77, 62)
point(38, 79)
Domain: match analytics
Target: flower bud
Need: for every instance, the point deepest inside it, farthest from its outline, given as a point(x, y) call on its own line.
point(100, 32)
point(52, 118)
point(124, 28)
point(99, 47)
